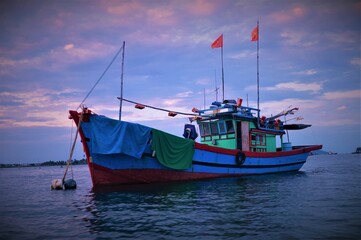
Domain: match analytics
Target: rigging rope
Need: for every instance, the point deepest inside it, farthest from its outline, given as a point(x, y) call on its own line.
point(71, 140)
point(101, 76)
point(160, 109)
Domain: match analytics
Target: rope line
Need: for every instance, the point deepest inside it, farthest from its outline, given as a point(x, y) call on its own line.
point(160, 109)
point(101, 76)
point(72, 149)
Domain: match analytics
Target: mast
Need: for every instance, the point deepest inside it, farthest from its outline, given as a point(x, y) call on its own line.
point(218, 43)
point(217, 88)
point(121, 84)
point(255, 37)
point(204, 98)
point(258, 70)
point(222, 73)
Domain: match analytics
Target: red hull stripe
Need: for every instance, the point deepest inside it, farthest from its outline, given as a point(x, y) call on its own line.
point(245, 166)
point(208, 148)
point(105, 176)
point(298, 150)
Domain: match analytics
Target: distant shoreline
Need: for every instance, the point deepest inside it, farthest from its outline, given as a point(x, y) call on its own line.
point(43, 164)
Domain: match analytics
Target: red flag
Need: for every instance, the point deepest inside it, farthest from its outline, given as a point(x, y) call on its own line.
point(254, 36)
point(218, 43)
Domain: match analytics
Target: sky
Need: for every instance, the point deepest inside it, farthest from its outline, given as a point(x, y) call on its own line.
point(53, 52)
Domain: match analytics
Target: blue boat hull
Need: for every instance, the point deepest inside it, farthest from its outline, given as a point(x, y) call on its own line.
point(115, 169)
point(207, 162)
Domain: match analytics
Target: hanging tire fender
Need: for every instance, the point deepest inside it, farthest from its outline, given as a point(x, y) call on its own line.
point(240, 158)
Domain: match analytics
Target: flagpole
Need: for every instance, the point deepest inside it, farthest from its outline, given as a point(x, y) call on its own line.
point(258, 71)
point(216, 44)
point(222, 74)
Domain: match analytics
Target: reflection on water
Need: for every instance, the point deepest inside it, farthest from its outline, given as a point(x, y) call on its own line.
point(231, 207)
point(321, 201)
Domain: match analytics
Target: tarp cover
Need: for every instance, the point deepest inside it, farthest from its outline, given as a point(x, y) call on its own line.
point(172, 151)
point(111, 136)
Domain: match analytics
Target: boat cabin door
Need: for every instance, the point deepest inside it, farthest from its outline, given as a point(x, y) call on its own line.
point(243, 136)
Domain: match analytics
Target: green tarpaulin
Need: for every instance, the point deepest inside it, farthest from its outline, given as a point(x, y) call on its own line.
point(172, 151)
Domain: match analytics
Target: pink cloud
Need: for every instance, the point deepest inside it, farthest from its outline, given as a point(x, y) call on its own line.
point(36, 108)
point(342, 95)
point(201, 7)
point(289, 15)
point(125, 8)
point(341, 108)
point(356, 61)
point(162, 16)
point(296, 86)
point(60, 57)
point(143, 12)
point(299, 38)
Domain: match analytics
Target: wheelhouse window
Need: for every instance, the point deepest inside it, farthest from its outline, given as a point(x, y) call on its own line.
point(222, 127)
point(214, 128)
point(230, 127)
point(258, 139)
point(258, 142)
point(204, 129)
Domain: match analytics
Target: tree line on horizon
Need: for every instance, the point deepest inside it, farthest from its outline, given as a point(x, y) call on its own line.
point(47, 163)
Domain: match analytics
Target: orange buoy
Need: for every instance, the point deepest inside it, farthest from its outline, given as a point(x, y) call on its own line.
point(139, 106)
point(239, 102)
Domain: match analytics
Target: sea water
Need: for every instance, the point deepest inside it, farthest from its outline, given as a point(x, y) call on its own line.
point(322, 201)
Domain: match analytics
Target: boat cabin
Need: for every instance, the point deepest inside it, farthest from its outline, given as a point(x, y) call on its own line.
point(232, 126)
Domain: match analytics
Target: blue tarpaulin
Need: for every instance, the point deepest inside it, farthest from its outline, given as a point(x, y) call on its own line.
point(109, 136)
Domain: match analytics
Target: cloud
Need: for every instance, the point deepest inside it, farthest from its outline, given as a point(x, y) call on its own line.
point(143, 13)
point(242, 54)
point(40, 107)
point(338, 122)
point(296, 86)
point(286, 16)
point(171, 102)
point(184, 94)
point(68, 46)
point(61, 57)
point(317, 112)
point(307, 72)
point(202, 81)
point(81, 53)
point(342, 37)
point(25, 62)
point(125, 8)
point(342, 94)
point(162, 16)
point(356, 61)
point(341, 108)
point(201, 7)
point(306, 106)
point(298, 38)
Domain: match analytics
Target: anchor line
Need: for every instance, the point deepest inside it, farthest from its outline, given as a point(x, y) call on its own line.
point(72, 148)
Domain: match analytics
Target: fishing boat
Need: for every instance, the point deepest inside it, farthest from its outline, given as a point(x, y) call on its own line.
point(225, 140)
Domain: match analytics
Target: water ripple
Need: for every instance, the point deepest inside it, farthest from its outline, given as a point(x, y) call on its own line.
point(321, 201)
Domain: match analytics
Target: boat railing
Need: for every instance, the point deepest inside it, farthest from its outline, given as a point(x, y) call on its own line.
point(224, 109)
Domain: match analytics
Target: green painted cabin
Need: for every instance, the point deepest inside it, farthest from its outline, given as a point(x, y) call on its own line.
point(237, 130)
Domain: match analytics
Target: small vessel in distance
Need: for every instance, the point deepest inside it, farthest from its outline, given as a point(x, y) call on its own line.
point(233, 140)
point(358, 151)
